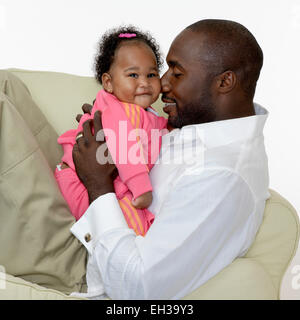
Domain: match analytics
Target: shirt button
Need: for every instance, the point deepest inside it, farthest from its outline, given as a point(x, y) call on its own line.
point(87, 237)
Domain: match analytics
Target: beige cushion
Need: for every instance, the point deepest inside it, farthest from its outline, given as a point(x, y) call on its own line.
point(277, 240)
point(58, 95)
point(35, 241)
point(243, 279)
point(18, 94)
point(19, 289)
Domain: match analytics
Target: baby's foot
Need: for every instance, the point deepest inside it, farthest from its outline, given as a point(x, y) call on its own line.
point(143, 201)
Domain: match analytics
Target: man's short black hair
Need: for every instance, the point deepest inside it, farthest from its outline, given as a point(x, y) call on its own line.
point(110, 42)
point(231, 46)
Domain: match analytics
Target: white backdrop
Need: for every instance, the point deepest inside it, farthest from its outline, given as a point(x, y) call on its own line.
point(60, 35)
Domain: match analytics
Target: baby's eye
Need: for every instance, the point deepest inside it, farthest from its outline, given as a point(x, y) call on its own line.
point(133, 75)
point(152, 75)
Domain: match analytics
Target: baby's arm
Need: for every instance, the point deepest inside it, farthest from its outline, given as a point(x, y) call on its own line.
point(125, 120)
point(160, 123)
point(72, 189)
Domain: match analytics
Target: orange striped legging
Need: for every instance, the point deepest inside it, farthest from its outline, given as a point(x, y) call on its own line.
point(139, 220)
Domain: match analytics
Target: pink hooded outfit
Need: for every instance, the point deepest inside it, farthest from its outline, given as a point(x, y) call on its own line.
point(133, 136)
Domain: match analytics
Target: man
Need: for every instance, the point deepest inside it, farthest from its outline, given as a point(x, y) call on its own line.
point(207, 212)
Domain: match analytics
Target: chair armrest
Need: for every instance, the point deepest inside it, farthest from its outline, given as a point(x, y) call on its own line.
point(244, 279)
point(14, 288)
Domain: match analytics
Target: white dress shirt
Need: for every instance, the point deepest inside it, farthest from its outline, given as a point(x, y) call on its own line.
point(210, 185)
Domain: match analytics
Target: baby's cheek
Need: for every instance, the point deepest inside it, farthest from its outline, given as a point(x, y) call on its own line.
point(157, 90)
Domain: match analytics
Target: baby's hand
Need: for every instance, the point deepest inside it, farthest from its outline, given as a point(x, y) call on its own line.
point(143, 201)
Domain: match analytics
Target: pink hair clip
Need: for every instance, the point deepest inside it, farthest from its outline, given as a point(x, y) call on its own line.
point(127, 35)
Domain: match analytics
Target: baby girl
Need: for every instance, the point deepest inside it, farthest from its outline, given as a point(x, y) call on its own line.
point(127, 65)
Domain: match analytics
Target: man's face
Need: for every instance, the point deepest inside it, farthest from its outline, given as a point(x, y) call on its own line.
point(186, 86)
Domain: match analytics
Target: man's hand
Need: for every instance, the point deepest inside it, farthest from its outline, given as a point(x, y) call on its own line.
point(97, 178)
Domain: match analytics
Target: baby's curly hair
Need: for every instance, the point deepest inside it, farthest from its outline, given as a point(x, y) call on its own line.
point(111, 41)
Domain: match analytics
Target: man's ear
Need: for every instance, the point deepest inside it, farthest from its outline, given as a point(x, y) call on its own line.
point(226, 81)
point(107, 83)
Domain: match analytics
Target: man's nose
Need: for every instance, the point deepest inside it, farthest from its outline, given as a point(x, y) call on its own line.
point(165, 84)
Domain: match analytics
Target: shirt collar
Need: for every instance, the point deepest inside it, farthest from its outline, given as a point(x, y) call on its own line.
point(218, 133)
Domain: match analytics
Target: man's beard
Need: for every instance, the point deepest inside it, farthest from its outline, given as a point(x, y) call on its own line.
point(194, 113)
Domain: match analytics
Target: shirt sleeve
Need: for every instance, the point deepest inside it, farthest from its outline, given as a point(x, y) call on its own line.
point(202, 226)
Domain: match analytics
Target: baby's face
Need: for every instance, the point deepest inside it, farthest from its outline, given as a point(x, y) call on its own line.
point(134, 75)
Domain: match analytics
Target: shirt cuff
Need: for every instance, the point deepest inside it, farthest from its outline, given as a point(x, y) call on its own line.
point(102, 215)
